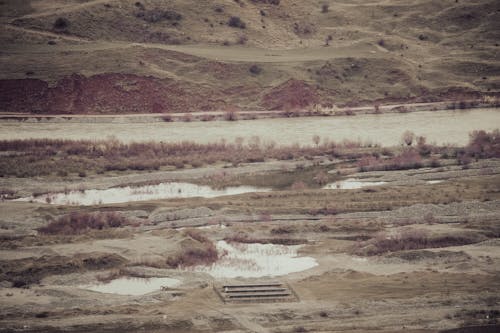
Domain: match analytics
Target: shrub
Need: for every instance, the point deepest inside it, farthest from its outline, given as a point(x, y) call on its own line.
point(255, 69)
point(325, 8)
point(61, 23)
point(483, 144)
point(269, 2)
point(81, 222)
point(423, 148)
point(412, 239)
point(236, 22)
point(245, 239)
point(167, 118)
point(408, 159)
point(282, 230)
point(321, 178)
point(230, 115)
point(242, 40)
point(7, 194)
point(39, 157)
point(204, 252)
point(408, 137)
point(158, 15)
point(299, 186)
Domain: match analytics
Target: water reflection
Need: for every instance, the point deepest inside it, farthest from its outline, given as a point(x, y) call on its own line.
point(141, 193)
point(132, 286)
point(256, 260)
point(350, 184)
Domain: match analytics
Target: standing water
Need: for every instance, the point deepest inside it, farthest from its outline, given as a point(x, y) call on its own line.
point(256, 260)
point(132, 286)
point(350, 184)
point(139, 193)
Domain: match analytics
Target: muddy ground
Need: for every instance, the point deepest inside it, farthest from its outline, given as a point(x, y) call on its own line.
point(451, 280)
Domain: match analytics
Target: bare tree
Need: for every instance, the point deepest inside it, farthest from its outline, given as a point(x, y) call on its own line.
point(316, 140)
point(408, 137)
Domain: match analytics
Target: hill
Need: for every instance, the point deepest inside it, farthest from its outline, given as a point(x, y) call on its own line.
point(152, 56)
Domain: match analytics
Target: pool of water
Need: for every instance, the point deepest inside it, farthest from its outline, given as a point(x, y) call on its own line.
point(350, 184)
point(132, 286)
point(169, 190)
point(256, 260)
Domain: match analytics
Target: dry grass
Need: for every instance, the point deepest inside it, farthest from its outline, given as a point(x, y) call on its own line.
point(245, 238)
point(117, 273)
point(335, 202)
point(412, 239)
point(407, 159)
point(26, 271)
point(201, 252)
point(81, 222)
point(28, 158)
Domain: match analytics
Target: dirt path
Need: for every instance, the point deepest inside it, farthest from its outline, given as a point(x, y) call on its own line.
point(249, 325)
point(66, 8)
point(47, 34)
point(216, 52)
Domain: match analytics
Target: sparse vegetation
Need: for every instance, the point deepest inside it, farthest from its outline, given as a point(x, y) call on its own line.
point(412, 239)
point(231, 115)
point(484, 144)
point(408, 159)
point(255, 69)
point(81, 222)
point(236, 22)
point(202, 252)
point(61, 23)
point(25, 272)
point(157, 15)
point(245, 238)
point(45, 157)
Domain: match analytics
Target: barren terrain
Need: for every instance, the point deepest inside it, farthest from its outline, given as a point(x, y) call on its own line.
point(115, 57)
point(134, 198)
point(415, 251)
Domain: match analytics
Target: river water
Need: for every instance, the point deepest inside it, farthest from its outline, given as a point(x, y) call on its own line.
point(441, 127)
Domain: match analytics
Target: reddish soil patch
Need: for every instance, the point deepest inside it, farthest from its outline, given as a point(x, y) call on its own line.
point(291, 94)
point(104, 93)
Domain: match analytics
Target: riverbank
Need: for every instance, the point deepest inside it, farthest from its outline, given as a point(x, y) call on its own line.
point(316, 111)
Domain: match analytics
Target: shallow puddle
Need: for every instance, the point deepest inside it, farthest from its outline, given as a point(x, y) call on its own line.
point(132, 286)
point(140, 193)
point(351, 183)
point(437, 181)
point(256, 260)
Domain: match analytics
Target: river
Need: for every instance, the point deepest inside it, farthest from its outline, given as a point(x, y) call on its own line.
point(441, 127)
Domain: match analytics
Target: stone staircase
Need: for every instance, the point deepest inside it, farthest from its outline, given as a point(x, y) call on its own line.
point(262, 292)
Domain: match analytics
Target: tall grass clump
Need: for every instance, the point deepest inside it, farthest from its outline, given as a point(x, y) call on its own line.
point(39, 157)
point(80, 222)
point(407, 159)
point(484, 144)
point(412, 239)
point(201, 251)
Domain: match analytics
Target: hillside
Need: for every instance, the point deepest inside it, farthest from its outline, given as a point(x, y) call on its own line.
point(154, 56)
